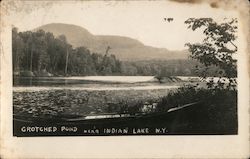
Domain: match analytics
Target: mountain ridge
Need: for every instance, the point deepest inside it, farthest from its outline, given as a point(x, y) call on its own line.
point(124, 48)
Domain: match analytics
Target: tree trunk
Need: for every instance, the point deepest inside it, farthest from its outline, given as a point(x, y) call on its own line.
point(31, 58)
point(66, 65)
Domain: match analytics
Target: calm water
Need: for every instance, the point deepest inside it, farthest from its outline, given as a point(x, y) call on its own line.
point(53, 96)
point(90, 83)
point(52, 81)
point(91, 95)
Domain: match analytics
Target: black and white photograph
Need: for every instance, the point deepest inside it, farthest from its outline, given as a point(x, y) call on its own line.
point(136, 69)
point(139, 77)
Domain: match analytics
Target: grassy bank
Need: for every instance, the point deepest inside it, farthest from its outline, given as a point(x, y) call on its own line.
point(216, 111)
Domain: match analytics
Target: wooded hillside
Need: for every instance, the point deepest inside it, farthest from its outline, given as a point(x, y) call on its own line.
point(44, 54)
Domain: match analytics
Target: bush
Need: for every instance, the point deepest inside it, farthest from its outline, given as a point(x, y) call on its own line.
point(190, 94)
point(27, 74)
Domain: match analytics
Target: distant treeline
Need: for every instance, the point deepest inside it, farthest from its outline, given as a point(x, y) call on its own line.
point(186, 67)
point(40, 52)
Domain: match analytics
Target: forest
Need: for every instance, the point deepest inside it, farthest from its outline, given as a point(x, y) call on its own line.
point(40, 53)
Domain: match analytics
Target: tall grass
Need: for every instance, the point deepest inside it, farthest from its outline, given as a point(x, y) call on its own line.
point(190, 94)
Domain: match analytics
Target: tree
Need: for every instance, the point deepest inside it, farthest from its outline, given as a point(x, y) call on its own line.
point(27, 40)
point(51, 51)
point(41, 58)
point(217, 48)
point(40, 52)
point(18, 49)
point(67, 47)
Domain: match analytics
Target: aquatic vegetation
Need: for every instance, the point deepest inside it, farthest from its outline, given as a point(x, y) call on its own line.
point(58, 103)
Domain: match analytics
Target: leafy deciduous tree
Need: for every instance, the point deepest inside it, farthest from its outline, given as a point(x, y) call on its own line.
point(217, 48)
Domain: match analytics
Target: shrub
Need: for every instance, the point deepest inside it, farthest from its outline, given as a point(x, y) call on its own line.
point(190, 94)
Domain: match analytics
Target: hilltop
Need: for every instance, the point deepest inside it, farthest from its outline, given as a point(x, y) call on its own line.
point(124, 48)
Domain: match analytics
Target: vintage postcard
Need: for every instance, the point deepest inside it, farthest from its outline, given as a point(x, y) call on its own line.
point(125, 79)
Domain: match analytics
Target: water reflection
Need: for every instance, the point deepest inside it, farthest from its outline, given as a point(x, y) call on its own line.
point(48, 81)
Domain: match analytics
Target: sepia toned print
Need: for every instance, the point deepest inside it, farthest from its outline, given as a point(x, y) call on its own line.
point(68, 81)
point(124, 79)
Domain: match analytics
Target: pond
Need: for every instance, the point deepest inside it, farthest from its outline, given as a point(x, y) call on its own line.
point(90, 83)
point(57, 96)
point(52, 81)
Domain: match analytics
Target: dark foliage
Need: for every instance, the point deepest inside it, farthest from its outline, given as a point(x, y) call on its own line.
point(124, 107)
point(216, 110)
point(164, 68)
point(190, 94)
point(217, 48)
point(40, 52)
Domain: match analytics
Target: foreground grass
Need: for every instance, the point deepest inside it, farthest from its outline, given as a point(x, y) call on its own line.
point(216, 111)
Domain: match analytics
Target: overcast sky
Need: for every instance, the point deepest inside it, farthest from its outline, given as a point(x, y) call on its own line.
point(141, 20)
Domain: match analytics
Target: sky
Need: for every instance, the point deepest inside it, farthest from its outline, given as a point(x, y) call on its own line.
point(141, 20)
